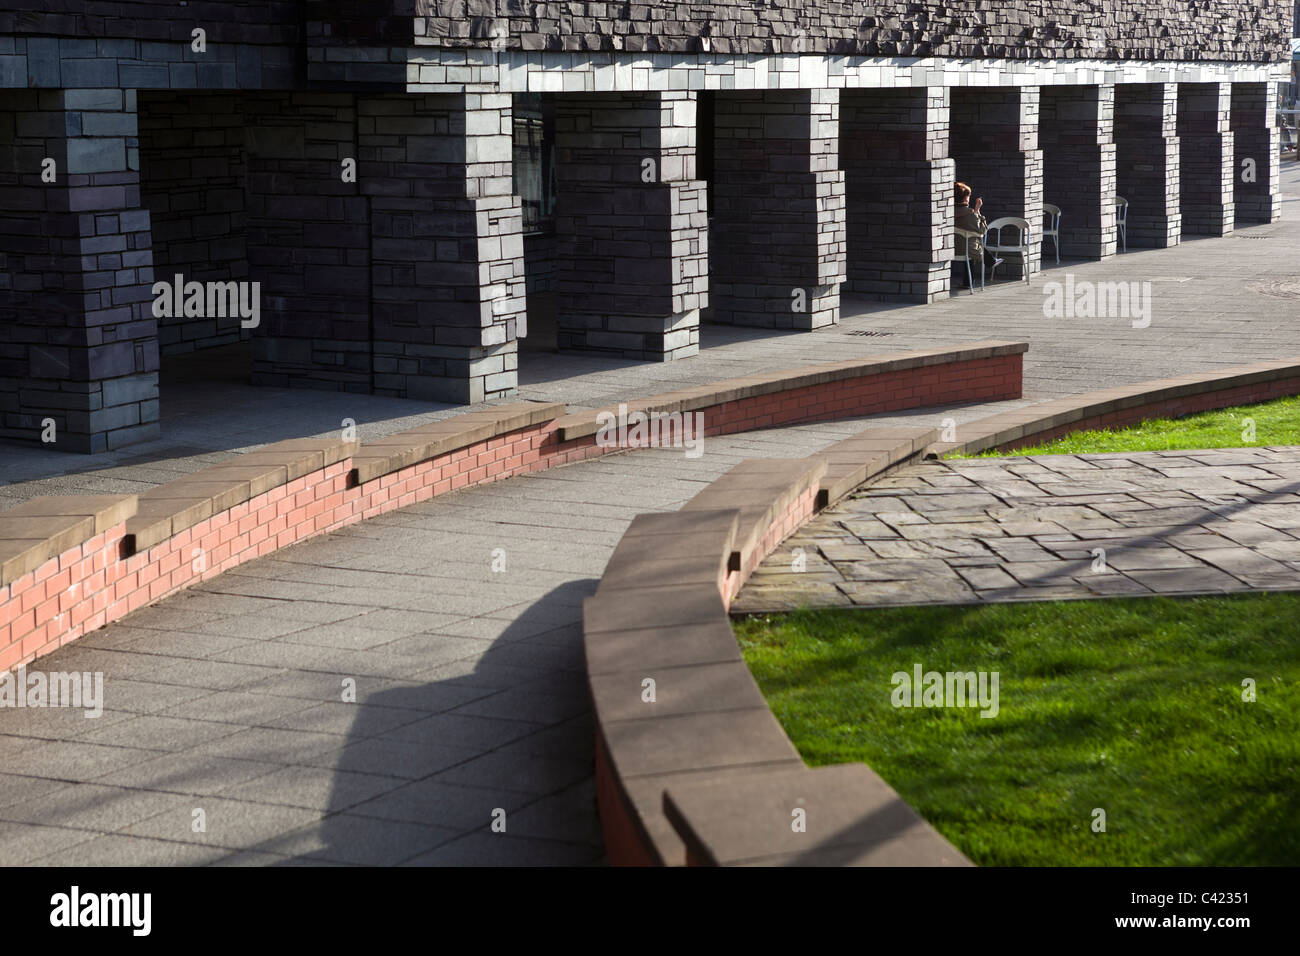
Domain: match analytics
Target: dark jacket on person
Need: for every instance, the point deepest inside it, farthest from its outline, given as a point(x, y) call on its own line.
point(968, 218)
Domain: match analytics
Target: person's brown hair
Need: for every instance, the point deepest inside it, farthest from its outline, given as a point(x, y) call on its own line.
point(963, 194)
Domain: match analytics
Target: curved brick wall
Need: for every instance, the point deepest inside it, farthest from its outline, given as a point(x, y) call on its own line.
point(1126, 405)
point(700, 772)
point(72, 564)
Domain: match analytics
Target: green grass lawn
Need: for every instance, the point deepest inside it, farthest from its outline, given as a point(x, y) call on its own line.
point(1130, 705)
point(1275, 423)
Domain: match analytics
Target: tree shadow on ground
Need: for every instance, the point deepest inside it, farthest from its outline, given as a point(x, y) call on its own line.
point(510, 732)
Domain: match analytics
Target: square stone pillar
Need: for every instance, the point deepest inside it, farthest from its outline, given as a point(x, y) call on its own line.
point(898, 186)
point(778, 234)
point(1206, 156)
point(78, 339)
point(1255, 143)
point(631, 231)
point(1147, 162)
point(995, 149)
point(447, 245)
point(1076, 134)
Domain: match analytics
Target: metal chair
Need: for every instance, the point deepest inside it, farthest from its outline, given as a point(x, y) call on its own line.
point(1053, 228)
point(970, 234)
point(1121, 219)
point(1020, 247)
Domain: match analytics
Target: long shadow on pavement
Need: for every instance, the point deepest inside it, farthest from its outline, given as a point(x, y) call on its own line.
point(510, 733)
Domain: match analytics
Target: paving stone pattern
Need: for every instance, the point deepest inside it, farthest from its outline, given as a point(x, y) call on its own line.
point(470, 689)
point(1049, 527)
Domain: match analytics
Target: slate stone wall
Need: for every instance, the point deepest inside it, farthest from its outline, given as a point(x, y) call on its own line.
point(308, 242)
point(446, 244)
point(898, 184)
point(1255, 136)
point(631, 231)
point(777, 236)
point(1205, 160)
point(1239, 30)
point(78, 340)
point(192, 177)
point(226, 21)
point(1147, 171)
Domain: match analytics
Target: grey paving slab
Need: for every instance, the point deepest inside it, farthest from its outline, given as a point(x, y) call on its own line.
point(1055, 549)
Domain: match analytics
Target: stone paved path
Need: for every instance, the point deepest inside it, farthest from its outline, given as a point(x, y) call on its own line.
point(470, 688)
point(1048, 527)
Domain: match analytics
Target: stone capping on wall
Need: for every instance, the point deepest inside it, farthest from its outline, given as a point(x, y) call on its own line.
point(69, 565)
point(584, 423)
point(667, 769)
point(1126, 405)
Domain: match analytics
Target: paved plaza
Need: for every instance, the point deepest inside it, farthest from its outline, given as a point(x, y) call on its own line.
point(470, 688)
point(470, 698)
point(1048, 527)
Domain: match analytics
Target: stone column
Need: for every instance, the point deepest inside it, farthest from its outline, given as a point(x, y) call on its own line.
point(1255, 143)
point(778, 232)
point(447, 246)
point(631, 232)
point(898, 186)
point(1206, 155)
point(78, 339)
point(1076, 135)
point(1147, 162)
point(995, 149)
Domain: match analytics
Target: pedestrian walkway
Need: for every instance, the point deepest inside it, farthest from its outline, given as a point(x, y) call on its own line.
point(1048, 527)
point(458, 621)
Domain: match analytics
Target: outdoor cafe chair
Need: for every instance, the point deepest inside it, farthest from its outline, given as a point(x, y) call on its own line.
point(1053, 227)
point(998, 247)
point(970, 234)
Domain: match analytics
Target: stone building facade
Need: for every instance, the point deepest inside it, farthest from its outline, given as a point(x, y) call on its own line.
point(370, 168)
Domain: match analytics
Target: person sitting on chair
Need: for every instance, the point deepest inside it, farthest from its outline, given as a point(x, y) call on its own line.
point(969, 217)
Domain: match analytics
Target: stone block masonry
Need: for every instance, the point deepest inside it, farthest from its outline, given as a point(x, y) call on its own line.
point(898, 182)
point(1205, 158)
point(78, 341)
point(1076, 135)
point(308, 242)
point(1225, 30)
point(447, 245)
point(777, 235)
point(631, 233)
point(192, 177)
point(1147, 162)
point(1256, 145)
